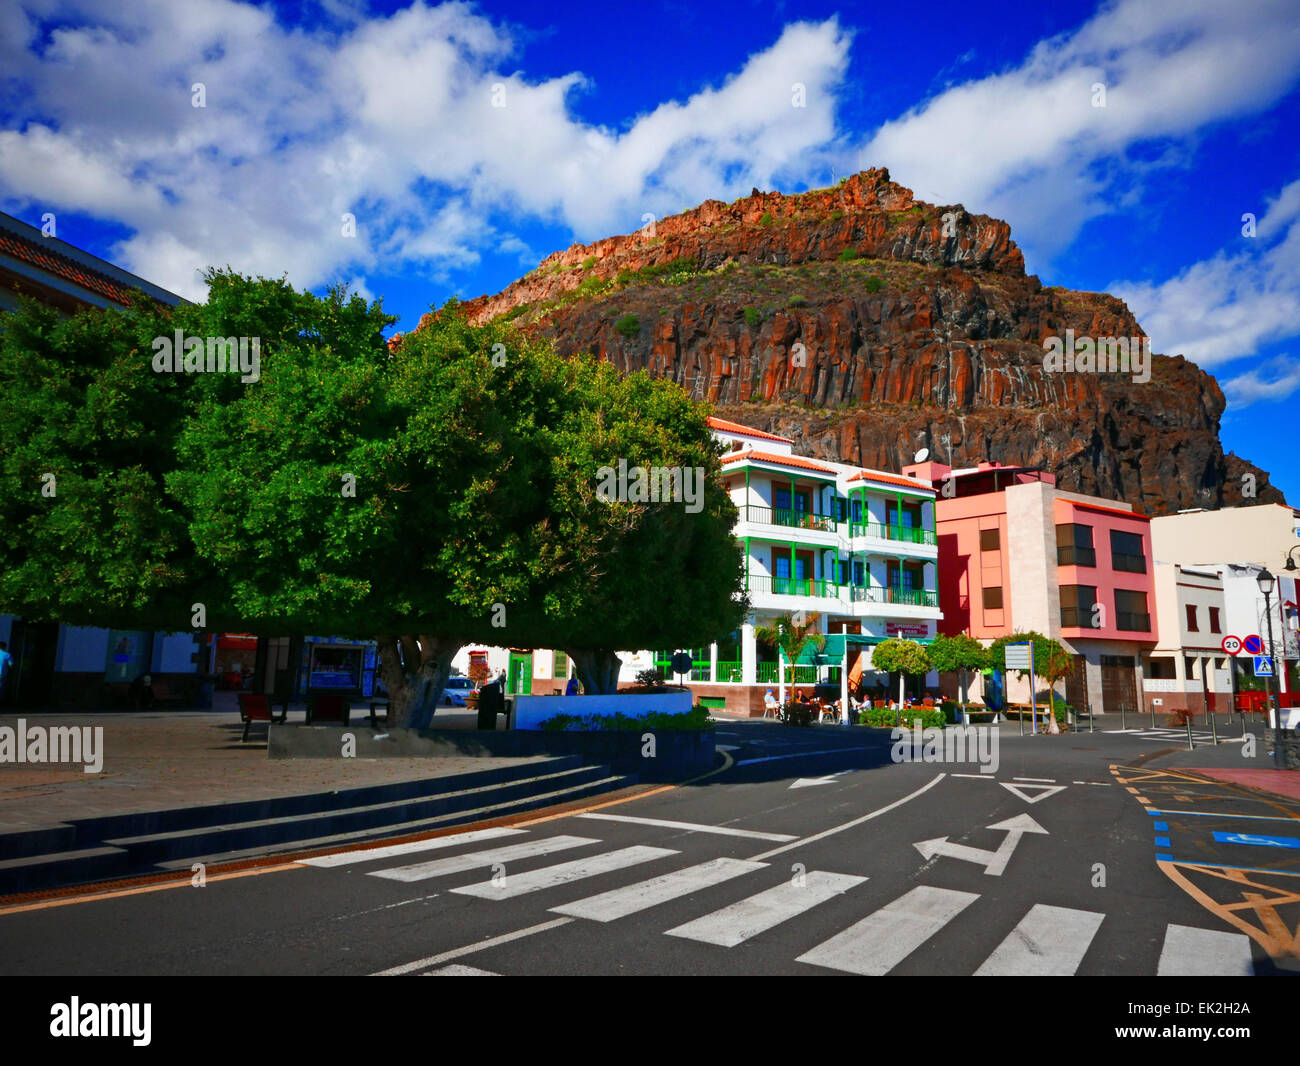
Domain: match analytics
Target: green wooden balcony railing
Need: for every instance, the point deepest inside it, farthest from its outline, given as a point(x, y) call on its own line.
point(901, 534)
point(785, 586)
point(773, 516)
point(765, 674)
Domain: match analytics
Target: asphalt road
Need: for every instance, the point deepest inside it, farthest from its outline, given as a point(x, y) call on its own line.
point(800, 857)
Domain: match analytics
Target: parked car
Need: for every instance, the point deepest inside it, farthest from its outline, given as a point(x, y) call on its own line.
point(457, 689)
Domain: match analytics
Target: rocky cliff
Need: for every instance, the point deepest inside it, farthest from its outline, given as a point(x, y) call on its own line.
point(867, 325)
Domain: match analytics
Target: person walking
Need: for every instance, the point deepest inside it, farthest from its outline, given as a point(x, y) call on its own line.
point(571, 689)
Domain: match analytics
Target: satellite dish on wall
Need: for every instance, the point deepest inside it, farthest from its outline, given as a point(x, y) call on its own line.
point(921, 456)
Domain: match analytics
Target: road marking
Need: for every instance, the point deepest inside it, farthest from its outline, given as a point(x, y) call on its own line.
point(1048, 942)
point(883, 939)
point(422, 871)
point(181, 882)
point(629, 899)
point(457, 970)
point(344, 858)
point(469, 949)
point(1019, 790)
point(805, 782)
point(1262, 841)
point(693, 827)
point(994, 862)
point(562, 873)
point(1216, 814)
point(856, 821)
point(740, 921)
point(977, 777)
point(1037, 780)
point(1192, 952)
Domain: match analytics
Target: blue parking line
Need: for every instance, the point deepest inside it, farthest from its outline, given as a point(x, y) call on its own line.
point(1162, 842)
point(1162, 825)
point(1260, 841)
point(1224, 866)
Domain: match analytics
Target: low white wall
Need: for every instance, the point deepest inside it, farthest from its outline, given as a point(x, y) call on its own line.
point(531, 711)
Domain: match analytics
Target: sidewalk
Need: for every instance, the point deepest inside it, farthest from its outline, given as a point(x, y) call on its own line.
point(155, 760)
point(1227, 763)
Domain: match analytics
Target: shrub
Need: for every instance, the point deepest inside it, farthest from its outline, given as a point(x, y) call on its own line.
point(873, 284)
point(652, 678)
point(797, 301)
point(848, 255)
point(628, 325)
point(752, 317)
point(767, 219)
point(930, 717)
point(836, 215)
point(589, 262)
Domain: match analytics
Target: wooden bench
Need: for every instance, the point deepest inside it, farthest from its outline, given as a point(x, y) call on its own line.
point(256, 707)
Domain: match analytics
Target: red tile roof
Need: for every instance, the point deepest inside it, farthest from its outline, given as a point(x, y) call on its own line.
point(780, 460)
point(890, 479)
point(1107, 510)
point(30, 252)
point(748, 431)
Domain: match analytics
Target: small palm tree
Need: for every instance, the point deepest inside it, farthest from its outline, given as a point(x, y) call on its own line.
point(790, 634)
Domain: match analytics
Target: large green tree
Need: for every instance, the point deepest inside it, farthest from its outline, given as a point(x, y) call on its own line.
point(439, 492)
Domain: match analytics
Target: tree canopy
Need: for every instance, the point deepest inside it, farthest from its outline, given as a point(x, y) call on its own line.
point(437, 493)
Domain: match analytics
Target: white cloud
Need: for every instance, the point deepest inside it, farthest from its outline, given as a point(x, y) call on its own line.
point(1028, 145)
point(1274, 380)
point(1229, 306)
point(390, 118)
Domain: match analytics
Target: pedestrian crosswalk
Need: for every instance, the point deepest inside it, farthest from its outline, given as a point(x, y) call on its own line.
point(1199, 737)
point(880, 934)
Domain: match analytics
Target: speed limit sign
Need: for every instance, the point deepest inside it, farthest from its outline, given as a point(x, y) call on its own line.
point(1232, 645)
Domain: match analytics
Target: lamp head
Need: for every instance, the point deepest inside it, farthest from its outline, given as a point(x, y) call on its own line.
point(1265, 581)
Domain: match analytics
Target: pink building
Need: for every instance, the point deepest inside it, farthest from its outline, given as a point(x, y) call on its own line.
point(1017, 553)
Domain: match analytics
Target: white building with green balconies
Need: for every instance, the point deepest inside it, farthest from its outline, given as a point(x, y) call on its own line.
point(855, 547)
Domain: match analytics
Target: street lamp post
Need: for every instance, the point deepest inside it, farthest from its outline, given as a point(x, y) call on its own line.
point(1265, 580)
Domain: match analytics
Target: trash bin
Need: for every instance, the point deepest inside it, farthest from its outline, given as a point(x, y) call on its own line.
point(491, 702)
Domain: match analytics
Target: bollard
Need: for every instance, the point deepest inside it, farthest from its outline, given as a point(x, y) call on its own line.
point(1188, 722)
point(1092, 718)
point(1021, 716)
point(1153, 716)
point(1214, 729)
point(1123, 725)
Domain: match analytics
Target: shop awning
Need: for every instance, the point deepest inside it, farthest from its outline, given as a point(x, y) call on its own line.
point(832, 653)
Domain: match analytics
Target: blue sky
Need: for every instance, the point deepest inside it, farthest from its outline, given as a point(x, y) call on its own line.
point(384, 111)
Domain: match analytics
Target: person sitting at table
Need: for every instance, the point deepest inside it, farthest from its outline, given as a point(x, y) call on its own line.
point(769, 702)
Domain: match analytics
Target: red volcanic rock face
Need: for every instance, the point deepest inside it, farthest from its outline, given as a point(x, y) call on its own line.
point(866, 325)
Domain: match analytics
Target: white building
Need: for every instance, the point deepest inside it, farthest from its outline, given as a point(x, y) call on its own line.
point(854, 547)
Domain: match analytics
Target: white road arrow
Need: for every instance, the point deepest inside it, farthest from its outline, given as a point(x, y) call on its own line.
point(829, 779)
point(994, 862)
point(1019, 790)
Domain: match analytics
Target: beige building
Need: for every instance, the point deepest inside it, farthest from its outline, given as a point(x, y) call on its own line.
point(1262, 534)
point(1188, 669)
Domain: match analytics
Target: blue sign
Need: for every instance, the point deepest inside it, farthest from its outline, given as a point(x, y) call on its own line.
point(1263, 666)
point(1252, 645)
point(1250, 838)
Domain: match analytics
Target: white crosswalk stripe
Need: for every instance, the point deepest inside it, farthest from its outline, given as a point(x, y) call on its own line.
point(347, 858)
point(422, 871)
point(619, 902)
point(757, 914)
point(1048, 942)
point(563, 873)
point(1192, 952)
point(883, 939)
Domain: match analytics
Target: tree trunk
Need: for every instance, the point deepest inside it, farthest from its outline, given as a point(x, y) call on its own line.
point(415, 672)
point(598, 669)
